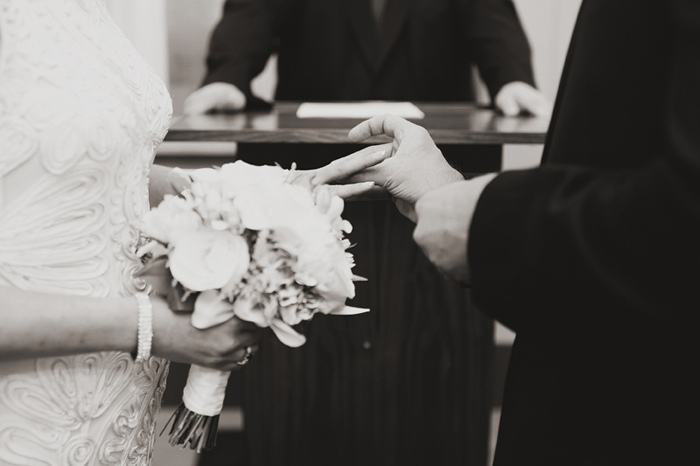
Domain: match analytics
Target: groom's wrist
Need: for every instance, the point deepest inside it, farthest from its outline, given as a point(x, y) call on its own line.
point(443, 179)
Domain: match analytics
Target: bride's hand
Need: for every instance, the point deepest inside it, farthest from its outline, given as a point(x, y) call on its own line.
point(341, 169)
point(220, 347)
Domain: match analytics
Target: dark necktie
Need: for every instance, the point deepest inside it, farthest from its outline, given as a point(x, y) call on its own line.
point(378, 10)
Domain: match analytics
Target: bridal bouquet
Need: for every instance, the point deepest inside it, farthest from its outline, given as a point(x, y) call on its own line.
point(243, 241)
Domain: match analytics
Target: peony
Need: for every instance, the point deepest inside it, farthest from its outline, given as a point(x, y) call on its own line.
point(208, 259)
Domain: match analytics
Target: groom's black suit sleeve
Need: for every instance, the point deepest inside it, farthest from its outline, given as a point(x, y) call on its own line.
point(593, 258)
point(607, 227)
point(324, 47)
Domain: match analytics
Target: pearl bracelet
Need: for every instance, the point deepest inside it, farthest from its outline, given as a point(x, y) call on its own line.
point(145, 329)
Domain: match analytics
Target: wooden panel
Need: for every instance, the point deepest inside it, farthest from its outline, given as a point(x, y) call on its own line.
point(449, 123)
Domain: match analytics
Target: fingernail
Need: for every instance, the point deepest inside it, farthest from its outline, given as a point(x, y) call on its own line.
point(379, 155)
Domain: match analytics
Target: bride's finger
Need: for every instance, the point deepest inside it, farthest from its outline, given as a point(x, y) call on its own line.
point(359, 192)
point(347, 191)
point(243, 356)
point(353, 163)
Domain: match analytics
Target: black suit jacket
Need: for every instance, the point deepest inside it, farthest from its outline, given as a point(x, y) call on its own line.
point(593, 258)
point(333, 50)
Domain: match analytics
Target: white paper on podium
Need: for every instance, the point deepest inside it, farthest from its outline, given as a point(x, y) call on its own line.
point(358, 110)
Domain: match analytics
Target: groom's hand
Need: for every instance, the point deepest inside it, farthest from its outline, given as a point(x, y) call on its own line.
point(416, 165)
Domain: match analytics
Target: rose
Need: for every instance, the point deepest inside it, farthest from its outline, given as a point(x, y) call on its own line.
point(209, 259)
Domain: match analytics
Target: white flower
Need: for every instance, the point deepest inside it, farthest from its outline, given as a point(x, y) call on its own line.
point(211, 308)
point(337, 285)
point(267, 206)
point(206, 179)
point(207, 259)
point(332, 207)
point(239, 175)
point(172, 219)
point(246, 309)
point(286, 334)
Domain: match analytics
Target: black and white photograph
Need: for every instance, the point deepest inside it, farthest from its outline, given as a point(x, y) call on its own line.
point(349, 232)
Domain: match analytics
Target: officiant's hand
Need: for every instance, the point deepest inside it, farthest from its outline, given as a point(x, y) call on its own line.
point(217, 96)
point(416, 165)
point(518, 97)
point(220, 347)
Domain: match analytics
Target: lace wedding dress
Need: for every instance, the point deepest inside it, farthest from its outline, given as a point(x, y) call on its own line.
point(80, 118)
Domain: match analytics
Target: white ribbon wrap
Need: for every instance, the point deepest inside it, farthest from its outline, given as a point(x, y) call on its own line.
point(205, 390)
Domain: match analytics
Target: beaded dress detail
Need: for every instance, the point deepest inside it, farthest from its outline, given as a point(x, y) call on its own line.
point(81, 116)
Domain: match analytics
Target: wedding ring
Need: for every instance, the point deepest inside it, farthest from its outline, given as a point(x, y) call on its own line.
point(246, 357)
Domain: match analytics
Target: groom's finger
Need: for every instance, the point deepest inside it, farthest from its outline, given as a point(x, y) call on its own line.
point(350, 164)
point(391, 125)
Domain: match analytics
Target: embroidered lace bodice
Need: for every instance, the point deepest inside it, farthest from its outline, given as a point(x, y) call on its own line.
point(80, 118)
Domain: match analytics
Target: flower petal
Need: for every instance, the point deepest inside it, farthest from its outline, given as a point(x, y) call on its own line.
point(286, 334)
point(210, 310)
point(349, 311)
point(246, 310)
point(208, 259)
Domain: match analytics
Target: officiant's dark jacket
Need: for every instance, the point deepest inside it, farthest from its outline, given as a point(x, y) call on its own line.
point(593, 258)
point(422, 50)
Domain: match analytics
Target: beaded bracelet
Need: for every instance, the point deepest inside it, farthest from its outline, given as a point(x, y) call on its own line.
point(145, 329)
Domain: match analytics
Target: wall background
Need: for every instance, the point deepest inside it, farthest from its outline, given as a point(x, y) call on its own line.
point(144, 23)
point(548, 25)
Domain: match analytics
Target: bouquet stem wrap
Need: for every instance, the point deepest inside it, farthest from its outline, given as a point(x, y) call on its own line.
point(195, 422)
point(205, 390)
